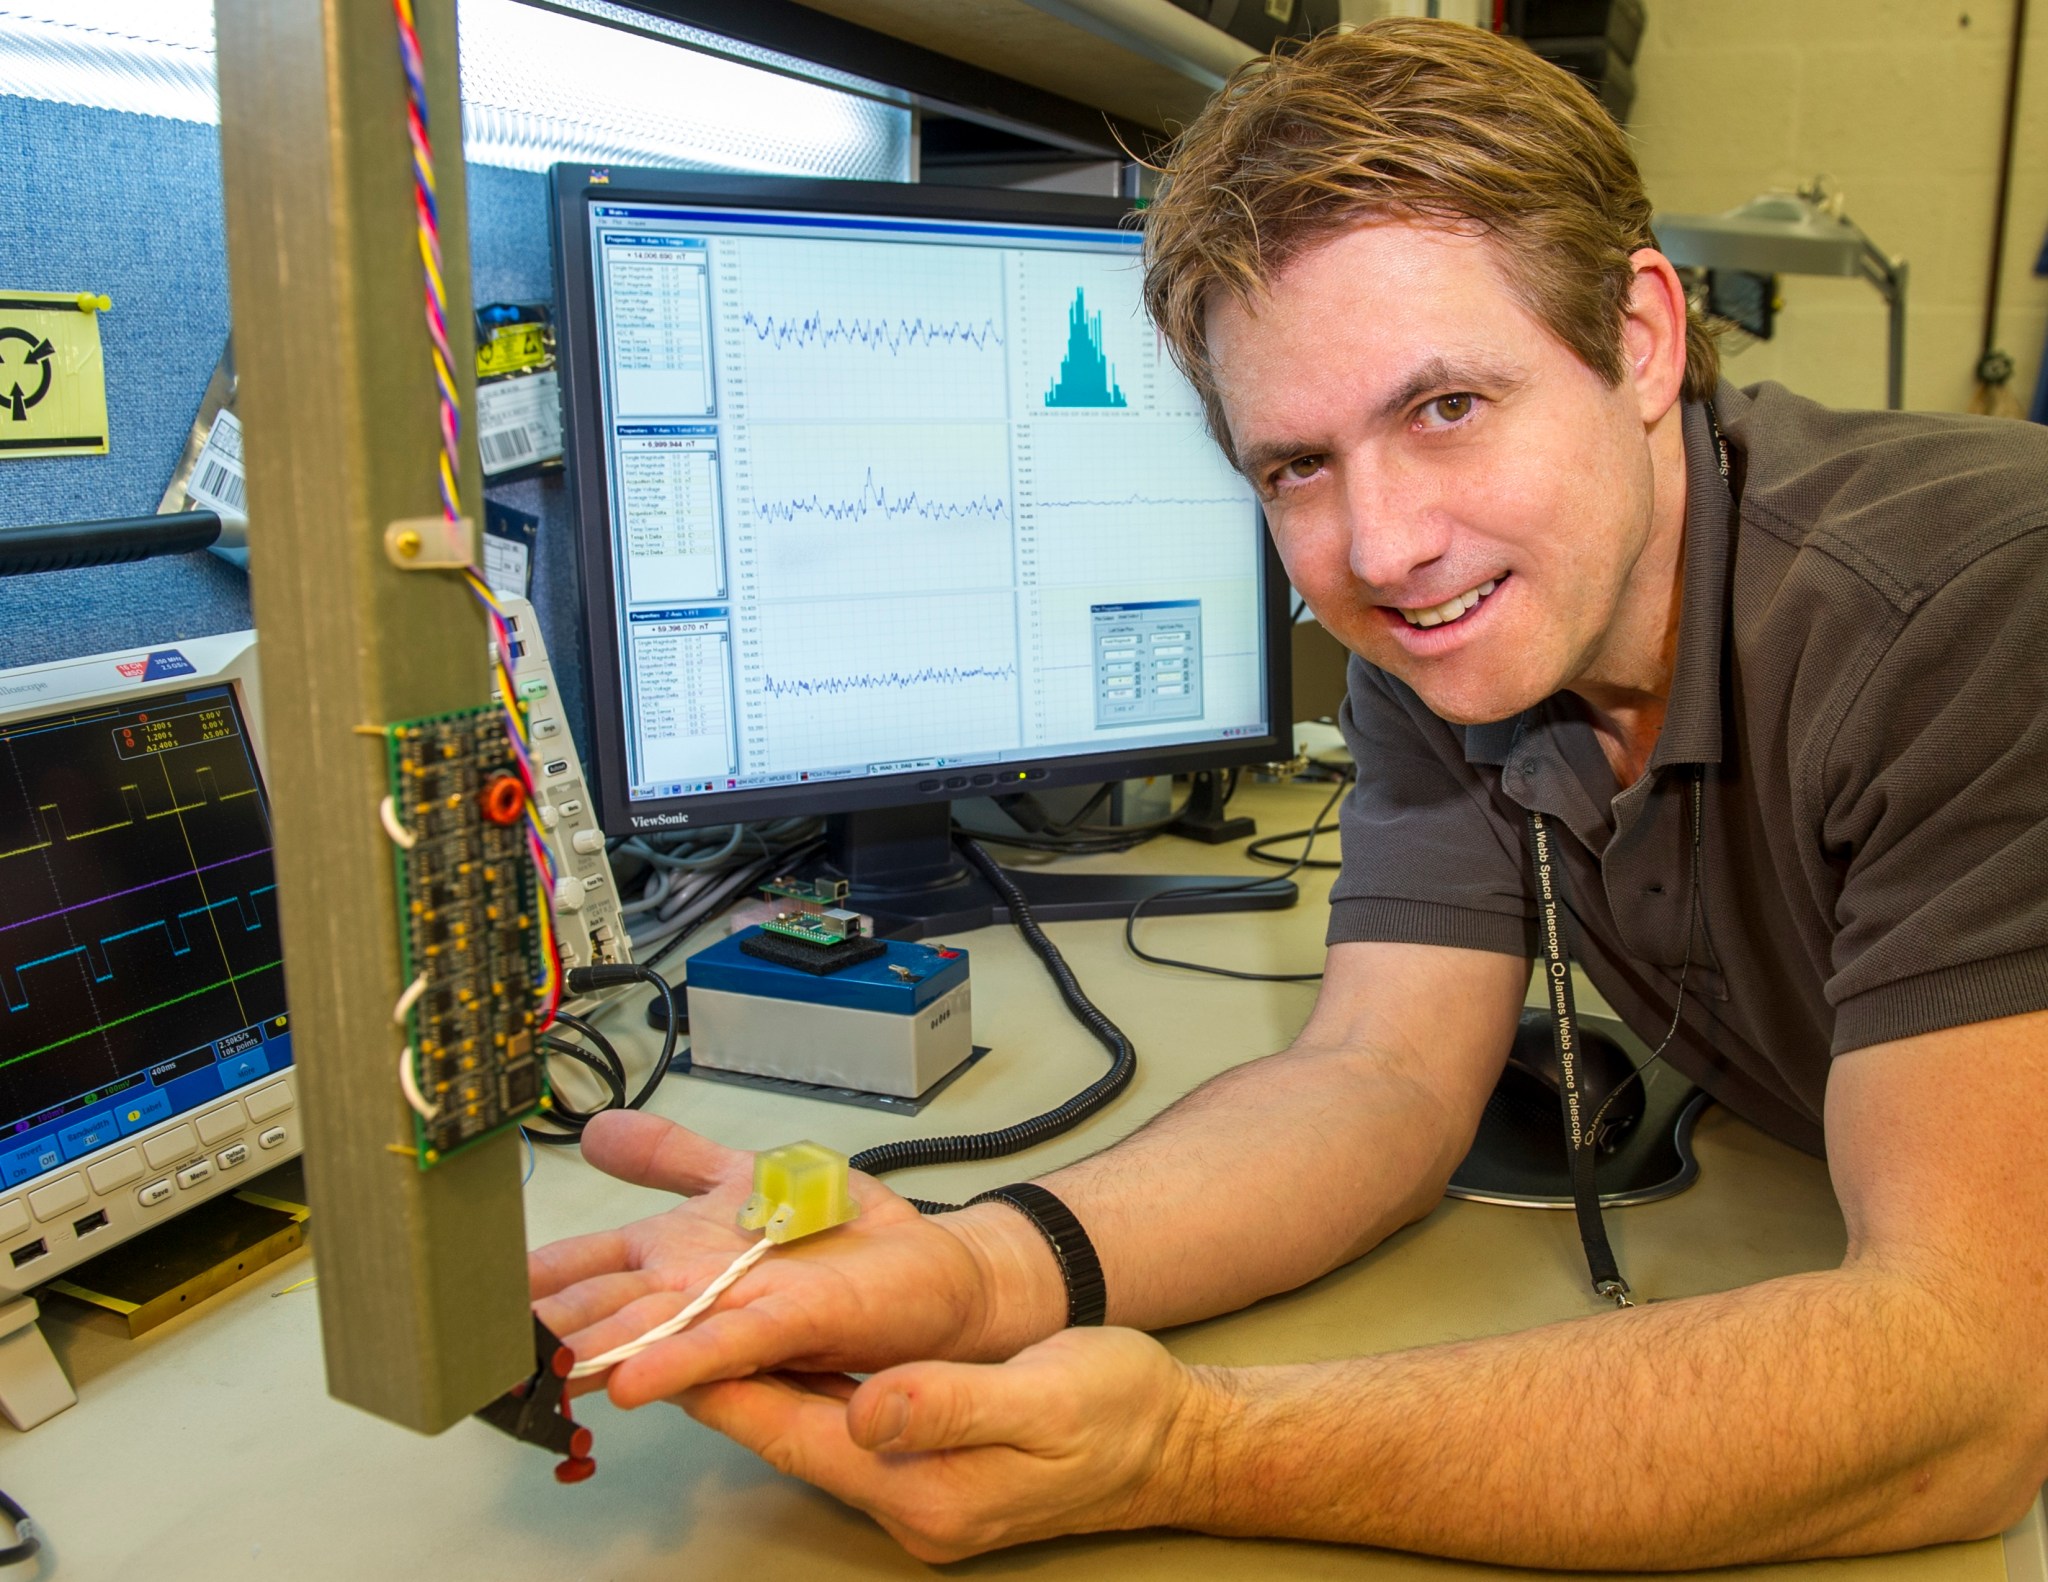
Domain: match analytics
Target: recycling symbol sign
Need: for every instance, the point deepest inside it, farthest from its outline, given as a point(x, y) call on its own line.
point(53, 381)
point(35, 365)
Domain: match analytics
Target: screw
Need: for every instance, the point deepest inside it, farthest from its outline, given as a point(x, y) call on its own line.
point(410, 543)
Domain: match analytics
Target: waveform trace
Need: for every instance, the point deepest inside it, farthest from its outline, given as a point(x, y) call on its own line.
point(874, 499)
point(812, 332)
point(884, 680)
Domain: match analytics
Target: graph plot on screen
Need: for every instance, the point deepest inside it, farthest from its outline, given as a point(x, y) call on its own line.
point(138, 906)
point(850, 509)
point(1085, 378)
point(821, 328)
point(887, 680)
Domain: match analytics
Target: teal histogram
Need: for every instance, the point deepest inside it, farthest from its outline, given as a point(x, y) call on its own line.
point(1085, 377)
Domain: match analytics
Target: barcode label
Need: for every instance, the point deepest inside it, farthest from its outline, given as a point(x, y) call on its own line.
point(519, 420)
point(508, 447)
point(218, 482)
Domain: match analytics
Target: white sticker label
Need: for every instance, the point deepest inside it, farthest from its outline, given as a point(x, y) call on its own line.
point(519, 421)
point(505, 566)
point(217, 481)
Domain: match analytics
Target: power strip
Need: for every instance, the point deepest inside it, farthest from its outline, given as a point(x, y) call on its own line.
point(589, 928)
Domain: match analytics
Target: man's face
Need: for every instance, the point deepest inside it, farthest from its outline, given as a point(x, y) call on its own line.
point(1461, 500)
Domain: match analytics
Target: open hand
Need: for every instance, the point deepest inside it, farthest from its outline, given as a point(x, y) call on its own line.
point(1088, 1430)
point(890, 1286)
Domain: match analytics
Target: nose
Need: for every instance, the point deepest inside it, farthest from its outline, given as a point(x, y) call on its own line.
point(1396, 528)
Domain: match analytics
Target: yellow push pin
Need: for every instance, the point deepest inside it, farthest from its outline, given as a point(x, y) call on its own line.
point(799, 1190)
point(93, 302)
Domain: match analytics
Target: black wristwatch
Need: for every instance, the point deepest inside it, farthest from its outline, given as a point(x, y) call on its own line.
point(1087, 1296)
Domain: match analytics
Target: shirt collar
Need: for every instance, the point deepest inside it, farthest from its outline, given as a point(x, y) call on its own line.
point(1692, 721)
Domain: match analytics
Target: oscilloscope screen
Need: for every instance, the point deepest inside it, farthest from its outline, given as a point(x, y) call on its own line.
point(140, 972)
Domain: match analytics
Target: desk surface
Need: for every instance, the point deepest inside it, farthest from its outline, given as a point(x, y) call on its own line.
point(209, 1450)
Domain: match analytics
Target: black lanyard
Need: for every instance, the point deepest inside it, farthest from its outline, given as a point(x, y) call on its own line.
point(1580, 1128)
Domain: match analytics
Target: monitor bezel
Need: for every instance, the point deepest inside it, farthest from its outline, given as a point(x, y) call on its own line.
point(573, 188)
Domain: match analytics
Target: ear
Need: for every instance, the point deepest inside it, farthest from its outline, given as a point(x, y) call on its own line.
point(1653, 334)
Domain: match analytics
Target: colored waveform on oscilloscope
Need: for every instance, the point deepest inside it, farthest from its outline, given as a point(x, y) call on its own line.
point(885, 680)
point(1141, 499)
point(812, 332)
point(874, 499)
point(1085, 378)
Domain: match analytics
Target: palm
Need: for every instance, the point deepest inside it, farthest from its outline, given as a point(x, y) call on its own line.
point(886, 1288)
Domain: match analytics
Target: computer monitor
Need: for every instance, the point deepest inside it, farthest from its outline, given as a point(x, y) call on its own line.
point(145, 1049)
point(888, 495)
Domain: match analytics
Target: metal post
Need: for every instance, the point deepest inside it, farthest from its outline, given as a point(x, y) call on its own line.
point(422, 1274)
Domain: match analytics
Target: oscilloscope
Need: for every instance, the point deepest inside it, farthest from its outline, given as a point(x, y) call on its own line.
point(145, 1045)
point(888, 495)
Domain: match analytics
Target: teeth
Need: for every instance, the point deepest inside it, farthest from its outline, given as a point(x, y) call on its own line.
point(1451, 608)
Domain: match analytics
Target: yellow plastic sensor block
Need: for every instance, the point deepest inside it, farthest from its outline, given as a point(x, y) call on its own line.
point(799, 1190)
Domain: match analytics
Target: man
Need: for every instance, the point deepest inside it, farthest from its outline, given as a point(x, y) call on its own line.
point(1412, 272)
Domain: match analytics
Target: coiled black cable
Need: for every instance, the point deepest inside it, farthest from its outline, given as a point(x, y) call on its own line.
point(603, 1059)
point(1040, 1128)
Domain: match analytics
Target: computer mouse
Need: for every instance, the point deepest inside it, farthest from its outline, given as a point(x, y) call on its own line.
point(1531, 1084)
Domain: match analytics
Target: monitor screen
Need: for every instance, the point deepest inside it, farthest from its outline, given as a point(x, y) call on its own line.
point(139, 961)
point(891, 504)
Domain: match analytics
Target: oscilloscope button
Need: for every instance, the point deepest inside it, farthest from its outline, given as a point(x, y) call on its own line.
point(13, 1218)
point(268, 1101)
point(156, 1192)
point(60, 1196)
point(116, 1170)
point(199, 1170)
point(160, 1151)
point(273, 1138)
point(224, 1121)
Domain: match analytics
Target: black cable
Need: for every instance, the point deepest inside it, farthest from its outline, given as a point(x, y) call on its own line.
point(1258, 851)
point(1040, 1128)
point(603, 1058)
point(26, 1539)
point(1131, 921)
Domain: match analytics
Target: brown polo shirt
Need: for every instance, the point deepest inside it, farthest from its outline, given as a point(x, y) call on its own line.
point(1862, 680)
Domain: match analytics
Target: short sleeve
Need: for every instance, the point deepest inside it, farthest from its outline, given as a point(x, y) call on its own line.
point(1935, 811)
point(1428, 860)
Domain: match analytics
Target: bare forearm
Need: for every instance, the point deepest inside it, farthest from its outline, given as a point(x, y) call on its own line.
point(1281, 1169)
point(1258, 1181)
point(1837, 1413)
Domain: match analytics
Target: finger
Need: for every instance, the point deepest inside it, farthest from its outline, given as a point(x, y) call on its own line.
point(795, 1430)
point(562, 1263)
point(949, 1405)
point(649, 1151)
point(590, 1302)
point(839, 1386)
point(757, 1336)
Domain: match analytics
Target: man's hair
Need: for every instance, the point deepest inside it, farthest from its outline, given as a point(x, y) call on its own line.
point(1405, 119)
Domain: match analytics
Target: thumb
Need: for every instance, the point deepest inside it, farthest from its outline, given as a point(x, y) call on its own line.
point(651, 1152)
point(947, 1406)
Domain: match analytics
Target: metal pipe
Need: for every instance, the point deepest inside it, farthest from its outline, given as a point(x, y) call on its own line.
point(1158, 30)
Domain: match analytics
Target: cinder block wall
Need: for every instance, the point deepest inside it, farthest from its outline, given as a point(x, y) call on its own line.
point(1900, 103)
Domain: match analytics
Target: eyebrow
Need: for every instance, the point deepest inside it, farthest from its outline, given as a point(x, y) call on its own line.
point(1435, 374)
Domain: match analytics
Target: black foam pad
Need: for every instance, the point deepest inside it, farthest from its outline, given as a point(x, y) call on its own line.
point(807, 957)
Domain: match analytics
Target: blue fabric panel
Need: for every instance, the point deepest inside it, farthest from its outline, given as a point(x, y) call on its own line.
point(128, 205)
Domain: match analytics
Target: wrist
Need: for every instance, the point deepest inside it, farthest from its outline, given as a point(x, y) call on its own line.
point(1184, 1489)
point(1021, 1297)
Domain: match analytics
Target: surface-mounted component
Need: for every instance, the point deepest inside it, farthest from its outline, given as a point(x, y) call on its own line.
point(468, 926)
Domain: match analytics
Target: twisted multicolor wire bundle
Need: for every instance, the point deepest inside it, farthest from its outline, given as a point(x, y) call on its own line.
point(427, 224)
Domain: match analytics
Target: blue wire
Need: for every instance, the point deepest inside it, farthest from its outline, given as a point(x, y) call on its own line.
point(529, 1156)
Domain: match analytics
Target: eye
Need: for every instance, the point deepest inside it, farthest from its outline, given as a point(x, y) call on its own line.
point(1296, 470)
point(1447, 411)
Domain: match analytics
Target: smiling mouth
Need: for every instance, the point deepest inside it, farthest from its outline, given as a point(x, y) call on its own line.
point(1455, 608)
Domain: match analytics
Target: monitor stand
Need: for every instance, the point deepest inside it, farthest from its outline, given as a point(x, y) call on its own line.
point(904, 873)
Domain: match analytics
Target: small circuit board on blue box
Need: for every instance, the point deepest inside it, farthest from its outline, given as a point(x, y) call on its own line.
point(815, 912)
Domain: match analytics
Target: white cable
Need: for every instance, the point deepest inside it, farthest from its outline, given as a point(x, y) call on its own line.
point(409, 999)
point(401, 837)
point(705, 1298)
point(406, 1081)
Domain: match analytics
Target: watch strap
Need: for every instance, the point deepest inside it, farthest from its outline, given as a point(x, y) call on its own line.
point(1080, 1269)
